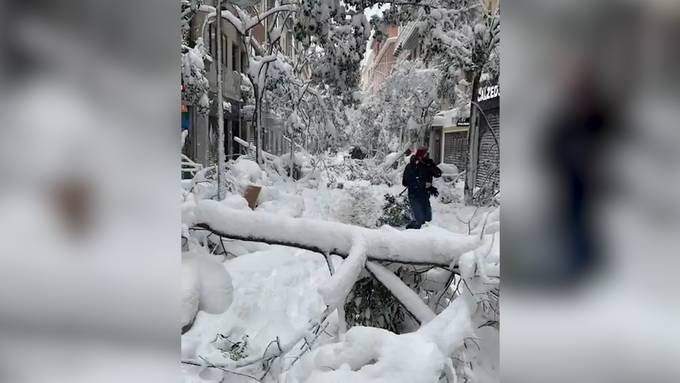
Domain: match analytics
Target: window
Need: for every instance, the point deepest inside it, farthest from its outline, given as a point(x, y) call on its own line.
point(289, 43)
point(235, 56)
point(211, 37)
point(224, 51)
point(244, 62)
point(212, 49)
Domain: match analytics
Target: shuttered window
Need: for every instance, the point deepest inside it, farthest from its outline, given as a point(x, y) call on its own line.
point(455, 149)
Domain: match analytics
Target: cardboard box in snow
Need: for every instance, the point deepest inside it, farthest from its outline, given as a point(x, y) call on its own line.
point(251, 195)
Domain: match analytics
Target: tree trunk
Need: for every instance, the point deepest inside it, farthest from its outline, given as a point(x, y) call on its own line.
point(473, 145)
point(258, 116)
point(292, 158)
point(221, 182)
point(318, 244)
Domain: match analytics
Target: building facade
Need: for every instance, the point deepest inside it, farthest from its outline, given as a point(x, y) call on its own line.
point(379, 61)
point(488, 165)
point(202, 139)
point(201, 144)
point(272, 130)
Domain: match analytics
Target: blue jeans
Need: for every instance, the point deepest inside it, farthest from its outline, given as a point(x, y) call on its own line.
point(420, 209)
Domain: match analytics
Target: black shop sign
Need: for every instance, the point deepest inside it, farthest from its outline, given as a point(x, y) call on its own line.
point(488, 94)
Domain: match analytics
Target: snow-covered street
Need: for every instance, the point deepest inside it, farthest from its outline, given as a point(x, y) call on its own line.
point(279, 296)
point(340, 191)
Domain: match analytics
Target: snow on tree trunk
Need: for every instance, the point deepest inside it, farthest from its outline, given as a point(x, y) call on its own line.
point(448, 329)
point(426, 246)
point(375, 355)
point(221, 158)
point(473, 148)
point(402, 292)
point(336, 289)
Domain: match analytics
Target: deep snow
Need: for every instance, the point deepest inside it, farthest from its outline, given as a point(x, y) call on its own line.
point(278, 291)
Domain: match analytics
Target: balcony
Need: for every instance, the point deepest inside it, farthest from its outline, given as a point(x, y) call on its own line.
point(231, 82)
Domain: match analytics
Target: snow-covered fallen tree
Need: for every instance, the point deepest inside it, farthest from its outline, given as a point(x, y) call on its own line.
point(429, 246)
point(365, 354)
point(375, 355)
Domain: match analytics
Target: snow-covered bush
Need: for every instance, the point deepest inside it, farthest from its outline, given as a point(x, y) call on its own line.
point(448, 194)
point(358, 205)
point(396, 211)
point(234, 350)
point(194, 77)
point(369, 303)
point(296, 163)
point(449, 171)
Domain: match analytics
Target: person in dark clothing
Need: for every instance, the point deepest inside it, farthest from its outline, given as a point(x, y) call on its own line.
point(417, 178)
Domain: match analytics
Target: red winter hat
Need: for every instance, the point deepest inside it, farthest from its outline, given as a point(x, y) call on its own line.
point(420, 153)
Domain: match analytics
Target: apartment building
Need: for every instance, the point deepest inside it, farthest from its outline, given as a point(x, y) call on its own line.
point(450, 128)
point(272, 131)
point(202, 145)
point(380, 60)
point(238, 118)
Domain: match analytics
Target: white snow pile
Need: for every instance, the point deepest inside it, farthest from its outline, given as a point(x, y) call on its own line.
point(275, 295)
point(235, 201)
point(273, 200)
point(300, 160)
point(491, 223)
point(247, 171)
point(357, 205)
point(372, 355)
point(206, 285)
point(279, 288)
point(187, 206)
point(437, 247)
point(448, 170)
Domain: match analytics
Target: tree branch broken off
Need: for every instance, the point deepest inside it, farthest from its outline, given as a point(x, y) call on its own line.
point(422, 247)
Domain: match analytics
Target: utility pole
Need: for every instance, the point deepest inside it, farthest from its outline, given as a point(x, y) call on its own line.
point(221, 182)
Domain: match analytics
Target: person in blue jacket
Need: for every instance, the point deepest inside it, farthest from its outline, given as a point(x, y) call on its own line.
point(417, 178)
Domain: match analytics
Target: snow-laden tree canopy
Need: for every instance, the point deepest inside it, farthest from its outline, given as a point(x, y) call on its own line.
point(398, 113)
point(459, 37)
point(264, 292)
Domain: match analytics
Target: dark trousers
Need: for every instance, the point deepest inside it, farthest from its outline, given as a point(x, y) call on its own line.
point(420, 209)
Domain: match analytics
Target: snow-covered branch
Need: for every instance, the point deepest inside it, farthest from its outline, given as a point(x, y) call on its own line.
point(336, 289)
point(262, 16)
point(243, 22)
point(413, 303)
point(252, 147)
point(368, 353)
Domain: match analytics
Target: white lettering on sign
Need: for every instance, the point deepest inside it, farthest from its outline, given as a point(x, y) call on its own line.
point(488, 93)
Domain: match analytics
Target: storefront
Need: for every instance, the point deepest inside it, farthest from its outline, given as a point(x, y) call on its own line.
point(448, 138)
point(488, 100)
